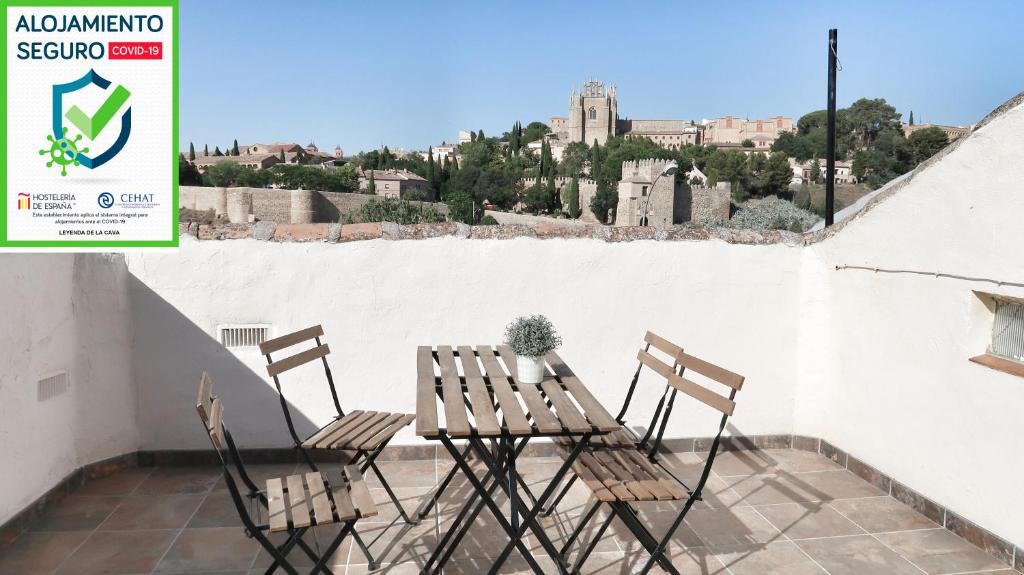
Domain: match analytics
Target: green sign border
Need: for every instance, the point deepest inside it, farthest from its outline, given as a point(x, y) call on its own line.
point(4, 243)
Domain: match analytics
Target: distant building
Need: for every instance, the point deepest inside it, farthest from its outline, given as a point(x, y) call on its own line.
point(442, 151)
point(254, 161)
point(395, 183)
point(275, 148)
point(952, 132)
point(733, 130)
point(666, 133)
point(638, 189)
point(465, 137)
point(338, 152)
point(802, 171)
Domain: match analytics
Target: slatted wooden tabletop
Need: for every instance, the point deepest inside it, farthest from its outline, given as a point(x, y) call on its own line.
point(473, 391)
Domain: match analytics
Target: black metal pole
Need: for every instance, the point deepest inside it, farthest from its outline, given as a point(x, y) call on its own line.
point(830, 165)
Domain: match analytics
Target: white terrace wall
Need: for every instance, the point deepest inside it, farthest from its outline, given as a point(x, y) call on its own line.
point(62, 313)
point(379, 299)
point(884, 356)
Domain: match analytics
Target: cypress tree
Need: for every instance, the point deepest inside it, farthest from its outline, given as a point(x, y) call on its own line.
point(431, 171)
point(280, 156)
point(911, 117)
point(371, 187)
point(216, 151)
point(595, 160)
point(480, 136)
point(234, 148)
point(206, 149)
point(191, 152)
point(554, 201)
point(572, 197)
point(472, 136)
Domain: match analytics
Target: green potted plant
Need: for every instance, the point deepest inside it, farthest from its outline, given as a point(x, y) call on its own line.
point(531, 338)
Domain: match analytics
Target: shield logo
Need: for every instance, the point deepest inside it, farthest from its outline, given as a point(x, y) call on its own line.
point(90, 77)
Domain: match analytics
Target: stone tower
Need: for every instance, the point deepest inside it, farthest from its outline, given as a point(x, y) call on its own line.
point(593, 113)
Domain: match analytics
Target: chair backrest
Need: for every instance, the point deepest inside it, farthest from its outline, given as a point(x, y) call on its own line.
point(669, 349)
point(275, 368)
point(675, 379)
point(211, 413)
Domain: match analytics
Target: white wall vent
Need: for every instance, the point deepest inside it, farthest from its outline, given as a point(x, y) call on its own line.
point(248, 335)
point(1008, 330)
point(52, 386)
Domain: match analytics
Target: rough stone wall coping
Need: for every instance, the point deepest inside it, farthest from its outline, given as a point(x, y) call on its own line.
point(338, 233)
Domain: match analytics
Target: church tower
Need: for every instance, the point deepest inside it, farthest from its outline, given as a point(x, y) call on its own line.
point(593, 113)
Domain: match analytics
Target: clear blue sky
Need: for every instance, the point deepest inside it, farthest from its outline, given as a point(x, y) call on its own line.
point(409, 74)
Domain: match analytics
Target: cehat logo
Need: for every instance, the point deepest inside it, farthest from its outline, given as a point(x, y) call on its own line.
point(24, 201)
point(106, 200)
point(65, 151)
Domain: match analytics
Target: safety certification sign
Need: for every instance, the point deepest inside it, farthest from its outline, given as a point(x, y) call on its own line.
point(89, 147)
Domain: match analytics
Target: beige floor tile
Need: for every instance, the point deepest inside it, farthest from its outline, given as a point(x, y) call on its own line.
point(938, 551)
point(737, 526)
point(152, 512)
point(881, 514)
point(777, 558)
point(39, 552)
point(808, 520)
point(77, 513)
point(117, 552)
point(209, 549)
point(857, 555)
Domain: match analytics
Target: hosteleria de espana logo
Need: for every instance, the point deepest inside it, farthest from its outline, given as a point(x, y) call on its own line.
point(67, 151)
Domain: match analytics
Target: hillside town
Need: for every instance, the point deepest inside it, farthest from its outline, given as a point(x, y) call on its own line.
point(600, 166)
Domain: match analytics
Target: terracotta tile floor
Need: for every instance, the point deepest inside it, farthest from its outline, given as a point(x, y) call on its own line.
point(774, 511)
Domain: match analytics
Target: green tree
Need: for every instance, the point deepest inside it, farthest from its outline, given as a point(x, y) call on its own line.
point(480, 135)
point(595, 161)
point(188, 175)
point(868, 118)
point(432, 170)
point(534, 131)
point(604, 202)
point(546, 159)
point(774, 177)
point(572, 198)
point(280, 156)
point(371, 186)
point(216, 151)
point(206, 150)
point(574, 159)
point(234, 148)
point(911, 118)
point(555, 203)
point(460, 206)
point(926, 142)
point(815, 171)
point(222, 174)
point(537, 198)
point(747, 143)
point(191, 152)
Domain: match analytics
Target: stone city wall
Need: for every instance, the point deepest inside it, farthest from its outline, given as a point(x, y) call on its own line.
point(243, 205)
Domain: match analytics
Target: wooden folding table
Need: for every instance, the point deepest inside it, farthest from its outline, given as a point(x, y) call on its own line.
point(482, 400)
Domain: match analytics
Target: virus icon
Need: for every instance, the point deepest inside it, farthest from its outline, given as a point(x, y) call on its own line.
point(63, 151)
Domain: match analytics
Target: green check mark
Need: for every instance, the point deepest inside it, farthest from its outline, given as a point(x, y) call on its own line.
point(92, 127)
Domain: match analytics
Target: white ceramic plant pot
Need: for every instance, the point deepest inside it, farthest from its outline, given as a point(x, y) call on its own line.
point(529, 369)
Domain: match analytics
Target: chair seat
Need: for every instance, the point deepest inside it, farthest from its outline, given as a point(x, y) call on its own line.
point(625, 474)
point(359, 430)
point(317, 498)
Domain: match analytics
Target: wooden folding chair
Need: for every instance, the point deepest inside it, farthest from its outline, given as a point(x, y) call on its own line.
point(366, 433)
point(290, 505)
point(624, 470)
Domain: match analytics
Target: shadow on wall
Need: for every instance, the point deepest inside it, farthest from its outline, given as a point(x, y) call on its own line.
point(170, 355)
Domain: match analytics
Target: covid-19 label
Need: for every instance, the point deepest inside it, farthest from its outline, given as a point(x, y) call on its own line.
point(90, 128)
